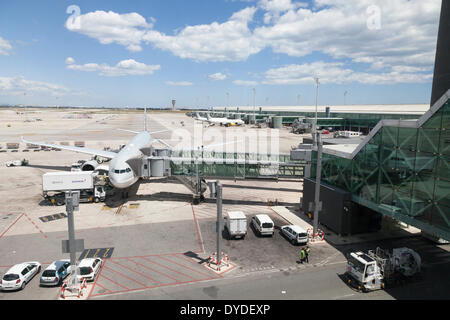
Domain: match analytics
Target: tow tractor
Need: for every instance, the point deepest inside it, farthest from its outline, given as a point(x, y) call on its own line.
point(380, 268)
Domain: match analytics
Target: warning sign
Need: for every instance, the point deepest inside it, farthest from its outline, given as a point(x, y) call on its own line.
point(53, 217)
point(102, 253)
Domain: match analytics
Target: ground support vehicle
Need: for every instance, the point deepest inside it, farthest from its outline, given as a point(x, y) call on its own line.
point(17, 163)
point(236, 224)
point(379, 269)
point(92, 187)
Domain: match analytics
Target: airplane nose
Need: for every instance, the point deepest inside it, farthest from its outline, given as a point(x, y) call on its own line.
point(120, 182)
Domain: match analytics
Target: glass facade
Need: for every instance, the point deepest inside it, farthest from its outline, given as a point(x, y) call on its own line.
point(404, 172)
point(243, 167)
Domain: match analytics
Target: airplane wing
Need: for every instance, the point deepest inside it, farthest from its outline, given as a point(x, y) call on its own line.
point(101, 153)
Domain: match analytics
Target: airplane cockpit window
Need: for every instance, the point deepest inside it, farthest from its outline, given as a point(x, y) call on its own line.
point(122, 171)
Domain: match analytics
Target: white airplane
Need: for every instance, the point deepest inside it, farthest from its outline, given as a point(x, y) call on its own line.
point(121, 174)
point(199, 118)
point(224, 121)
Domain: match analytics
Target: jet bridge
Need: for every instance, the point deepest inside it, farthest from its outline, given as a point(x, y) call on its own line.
point(192, 167)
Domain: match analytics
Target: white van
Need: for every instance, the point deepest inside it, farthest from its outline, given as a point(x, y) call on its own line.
point(236, 224)
point(295, 234)
point(263, 224)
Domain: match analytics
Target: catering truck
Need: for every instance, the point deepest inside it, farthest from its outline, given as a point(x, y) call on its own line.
point(90, 185)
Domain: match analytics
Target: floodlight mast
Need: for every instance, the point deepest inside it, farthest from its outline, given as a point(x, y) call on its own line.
point(254, 100)
point(317, 204)
point(315, 122)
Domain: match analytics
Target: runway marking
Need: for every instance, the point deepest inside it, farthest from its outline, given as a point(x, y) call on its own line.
point(345, 296)
point(53, 217)
point(103, 276)
point(98, 276)
point(103, 253)
point(204, 274)
point(147, 267)
point(143, 275)
point(115, 271)
point(35, 225)
point(4, 232)
point(127, 290)
point(197, 228)
point(163, 266)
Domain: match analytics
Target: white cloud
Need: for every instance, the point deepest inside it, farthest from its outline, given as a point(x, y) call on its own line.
point(179, 83)
point(245, 83)
point(110, 27)
point(5, 47)
point(404, 42)
point(70, 60)
point(123, 68)
point(20, 85)
point(228, 41)
point(273, 8)
point(217, 76)
point(336, 73)
point(339, 28)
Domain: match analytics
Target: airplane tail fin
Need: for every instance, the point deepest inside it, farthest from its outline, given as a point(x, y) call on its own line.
point(207, 116)
point(145, 118)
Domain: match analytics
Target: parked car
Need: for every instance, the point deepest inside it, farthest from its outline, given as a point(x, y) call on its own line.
point(263, 224)
point(19, 275)
point(89, 268)
point(295, 234)
point(55, 273)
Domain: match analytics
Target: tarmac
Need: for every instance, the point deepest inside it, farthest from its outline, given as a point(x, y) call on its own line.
point(391, 231)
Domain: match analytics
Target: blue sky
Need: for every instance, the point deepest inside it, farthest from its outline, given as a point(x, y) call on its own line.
point(150, 52)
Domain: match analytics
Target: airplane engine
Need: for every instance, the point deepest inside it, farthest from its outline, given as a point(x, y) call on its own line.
point(90, 165)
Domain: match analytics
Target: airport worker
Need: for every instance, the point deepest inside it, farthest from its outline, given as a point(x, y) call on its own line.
point(302, 255)
point(307, 251)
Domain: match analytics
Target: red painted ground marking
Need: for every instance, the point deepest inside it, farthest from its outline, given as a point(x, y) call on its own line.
point(151, 255)
point(181, 265)
point(233, 266)
point(196, 228)
point(150, 287)
point(190, 260)
point(103, 276)
point(45, 236)
point(143, 275)
point(139, 283)
point(98, 276)
point(183, 274)
point(162, 273)
point(11, 226)
point(98, 284)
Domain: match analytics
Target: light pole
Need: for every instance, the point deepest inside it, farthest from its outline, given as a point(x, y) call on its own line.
point(215, 188)
point(254, 101)
point(317, 99)
point(345, 96)
point(317, 203)
point(298, 99)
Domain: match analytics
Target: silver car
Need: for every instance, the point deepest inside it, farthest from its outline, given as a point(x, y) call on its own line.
point(55, 273)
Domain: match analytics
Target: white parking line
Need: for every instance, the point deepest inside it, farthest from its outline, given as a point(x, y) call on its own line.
point(343, 297)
